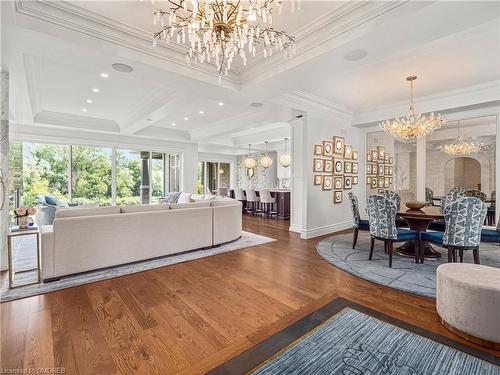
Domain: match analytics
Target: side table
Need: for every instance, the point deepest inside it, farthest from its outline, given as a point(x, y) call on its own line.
point(16, 232)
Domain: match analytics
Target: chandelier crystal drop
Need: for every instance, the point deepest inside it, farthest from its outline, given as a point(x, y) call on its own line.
point(413, 125)
point(250, 162)
point(285, 159)
point(461, 146)
point(218, 30)
point(266, 161)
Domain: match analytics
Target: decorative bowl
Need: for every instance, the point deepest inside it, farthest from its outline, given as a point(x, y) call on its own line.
point(415, 205)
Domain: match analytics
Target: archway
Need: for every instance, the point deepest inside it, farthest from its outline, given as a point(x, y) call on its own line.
point(462, 171)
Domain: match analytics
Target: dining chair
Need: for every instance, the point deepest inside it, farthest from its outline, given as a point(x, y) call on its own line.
point(252, 201)
point(457, 189)
point(491, 234)
point(267, 202)
point(464, 219)
point(476, 193)
point(396, 198)
point(453, 195)
point(491, 214)
point(382, 221)
point(357, 223)
point(429, 194)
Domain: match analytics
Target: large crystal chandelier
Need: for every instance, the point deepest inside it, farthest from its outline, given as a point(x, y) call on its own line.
point(413, 125)
point(218, 30)
point(461, 146)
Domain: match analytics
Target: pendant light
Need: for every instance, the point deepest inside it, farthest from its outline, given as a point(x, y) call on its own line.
point(250, 162)
point(285, 159)
point(266, 161)
point(461, 146)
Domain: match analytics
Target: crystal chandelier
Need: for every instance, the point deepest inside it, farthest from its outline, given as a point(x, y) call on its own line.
point(218, 30)
point(266, 161)
point(413, 125)
point(285, 159)
point(462, 147)
point(250, 162)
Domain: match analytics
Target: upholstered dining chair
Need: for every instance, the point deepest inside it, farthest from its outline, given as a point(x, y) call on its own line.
point(382, 221)
point(491, 214)
point(396, 198)
point(491, 234)
point(252, 201)
point(357, 223)
point(429, 194)
point(476, 193)
point(453, 195)
point(464, 220)
point(267, 202)
point(239, 195)
point(457, 189)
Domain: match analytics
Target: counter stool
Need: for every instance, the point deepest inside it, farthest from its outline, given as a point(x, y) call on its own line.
point(267, 202)
point(252, 201)
point(239, 195)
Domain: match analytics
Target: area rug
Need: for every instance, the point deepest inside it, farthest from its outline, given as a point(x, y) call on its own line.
point(26, 259)
point(353, 343)
point(404, 275)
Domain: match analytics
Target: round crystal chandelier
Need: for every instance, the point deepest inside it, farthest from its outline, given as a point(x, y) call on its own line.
point(250, 162)
point(266, 161)
point(285, 159)
point(461, 146)
point(218, 30)
point(413, 125)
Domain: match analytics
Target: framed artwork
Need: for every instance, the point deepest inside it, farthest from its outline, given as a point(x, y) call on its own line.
point(380, 168)
point(355, 167)
point(386, 182)
point(347, 152)
point(390, 180)
point(368, 168)
point(327, 148)
point(318, 150)
point(391, 170)
point(337, 196)
point(338, 183)
point(374, 183)
point(354, 155)
point(369, 156)
point(347, 182)
point(354, 180)
point(327, 182)
point(374, 155)
point(328, 166)
point(386, 158)
point(318, 179)
point(347, 167)
point(338, 166)
point(386, 170)
point(381, 182)
point(390, 160)
point(338, 145)
point(318, 165)
point(369, 180)
point(381, 153)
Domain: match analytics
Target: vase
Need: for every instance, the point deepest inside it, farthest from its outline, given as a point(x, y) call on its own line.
point(24, 222)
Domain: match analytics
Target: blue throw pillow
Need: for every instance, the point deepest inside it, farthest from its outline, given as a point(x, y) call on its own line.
point(172, 197)
point(50, 200)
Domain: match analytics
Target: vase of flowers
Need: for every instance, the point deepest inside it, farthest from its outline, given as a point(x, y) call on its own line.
point(24, 213)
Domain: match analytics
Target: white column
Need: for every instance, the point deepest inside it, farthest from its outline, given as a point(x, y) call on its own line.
point(4, 169)
point(421, 161)
point(298, 190)
point(113, 176)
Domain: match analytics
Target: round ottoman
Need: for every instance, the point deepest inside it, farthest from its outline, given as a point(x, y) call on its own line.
point(468, 301)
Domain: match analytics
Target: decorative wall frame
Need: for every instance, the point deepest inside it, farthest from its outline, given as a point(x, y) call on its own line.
point(380, 169)
point(369, 157)
point(374, 155)
point(347, 182)
point(318, 165)
point(318, 150)
point(338, 166)
point(354, 155)
point(381, 153)
point(386, 158)
point(355, 168)
point(373, 183)
point(347, 167)
point(327, 182)
point(327, 148)
point(381, 183)
point(347, 152)
point(318, 179)
point(338, 183)
point(338, 145)
point(354, 180)
point(328, 166)
point(368, 169)
point(337, 196)
point(369, 180)
point(386, 182)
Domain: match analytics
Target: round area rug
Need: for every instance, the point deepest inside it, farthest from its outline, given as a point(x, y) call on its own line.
point(404, 275)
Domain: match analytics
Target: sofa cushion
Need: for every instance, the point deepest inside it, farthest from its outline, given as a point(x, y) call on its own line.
point(77, 212)
point(172, 197)
point(176, 206)
point(222, 202)
point(184, 198)
point(144, 208)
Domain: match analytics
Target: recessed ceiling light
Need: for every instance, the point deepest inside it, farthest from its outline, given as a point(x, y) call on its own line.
point(355, 54)
point(89, 101)
point(186, 118)
point(123, 68)
point(84, 109)
point(174, 124)
point(220, 104)
point(201, 112)
point(96, 90)
point(256, 104)
point(104, 75)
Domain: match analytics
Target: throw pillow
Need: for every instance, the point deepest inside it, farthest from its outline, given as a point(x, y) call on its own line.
point(172, 197)
point(184, 198)
point(50, 200)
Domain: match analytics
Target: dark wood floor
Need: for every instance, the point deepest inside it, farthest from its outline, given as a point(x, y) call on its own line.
point(191, 317)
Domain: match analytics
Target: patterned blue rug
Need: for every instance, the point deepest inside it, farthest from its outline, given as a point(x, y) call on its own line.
point(352, 343)
point(404, 275)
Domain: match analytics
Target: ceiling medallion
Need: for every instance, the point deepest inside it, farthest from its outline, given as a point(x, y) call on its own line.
point(266, 161)
point(462, 147)
point(218, 30)
point(285, 159)
point(413, 125)
point(250, 162)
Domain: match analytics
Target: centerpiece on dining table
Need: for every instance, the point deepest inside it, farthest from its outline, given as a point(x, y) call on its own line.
point(415, 205)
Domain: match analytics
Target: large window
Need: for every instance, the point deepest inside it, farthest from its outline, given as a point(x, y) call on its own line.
point(128, 177)
point(213, 176)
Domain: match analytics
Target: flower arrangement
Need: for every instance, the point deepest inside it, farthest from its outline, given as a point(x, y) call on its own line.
point(23, 213)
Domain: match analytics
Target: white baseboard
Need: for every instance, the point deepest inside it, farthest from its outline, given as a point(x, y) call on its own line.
point(327, 229)
point(295, 229)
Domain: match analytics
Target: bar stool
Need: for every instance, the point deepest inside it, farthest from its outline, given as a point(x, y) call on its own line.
point(239, 195)
point(267, 201)
point(252, 201)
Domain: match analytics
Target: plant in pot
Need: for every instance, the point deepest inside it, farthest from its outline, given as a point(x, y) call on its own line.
point(24, 214)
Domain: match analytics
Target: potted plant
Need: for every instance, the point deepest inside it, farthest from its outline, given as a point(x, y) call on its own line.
point(23, 213)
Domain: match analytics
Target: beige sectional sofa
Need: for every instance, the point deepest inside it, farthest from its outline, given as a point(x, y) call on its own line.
point(85, 239)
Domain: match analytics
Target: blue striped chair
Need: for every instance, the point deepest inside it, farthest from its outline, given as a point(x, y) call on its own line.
point(382, 220)
point(357, 223)
point(464, 219)
point(394, 197)
point(491, 234)
point(451, 196)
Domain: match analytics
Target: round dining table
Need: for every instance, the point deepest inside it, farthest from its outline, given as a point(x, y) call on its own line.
point(419, 221)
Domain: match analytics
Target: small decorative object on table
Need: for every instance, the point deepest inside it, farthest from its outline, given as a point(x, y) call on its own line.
point(24, 214)
point(415, 205)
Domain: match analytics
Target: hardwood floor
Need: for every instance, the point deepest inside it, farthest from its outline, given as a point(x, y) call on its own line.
point(189, 318)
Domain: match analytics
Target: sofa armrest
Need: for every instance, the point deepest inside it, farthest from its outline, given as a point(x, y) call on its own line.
point(47, 251)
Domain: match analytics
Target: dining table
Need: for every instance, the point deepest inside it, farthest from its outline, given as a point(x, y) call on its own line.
point(419, 221)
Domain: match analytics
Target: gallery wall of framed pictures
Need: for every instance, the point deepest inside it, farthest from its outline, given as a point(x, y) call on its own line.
point(379, 168)
point(335, 166)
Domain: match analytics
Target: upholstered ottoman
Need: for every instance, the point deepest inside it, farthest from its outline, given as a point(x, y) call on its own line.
point(468, 301)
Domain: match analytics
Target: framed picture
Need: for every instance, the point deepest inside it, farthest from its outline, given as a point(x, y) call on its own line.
point(374, 155)
point(328, 166)
point(368, 168)
point(369, 180)
point(381, 182)
point(390, 180)
point(338, 166)
point(347, 152)
point(391, 170)
point(386, 170)
point(338, 145)
point(354, 155)
point(369, 156)
point(318, 179)
point(318, 150)
point(386, 158)
point(380, 168)
point(318, 165)
point(337, 196)
point(386, 182)
point(355, 167)
point(338, 183)
point(390, 160)
point(347, 167)
point(327, 182)
point(374, 183)
point(381, 153)
point(347, 182)
point(354, 180)
point(327, 148)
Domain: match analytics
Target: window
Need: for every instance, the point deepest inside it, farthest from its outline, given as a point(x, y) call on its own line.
point(157, 175)
point(213, 175)
point(128, 177)
point(201, 178)
point(174, 173)
point(224, 175)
